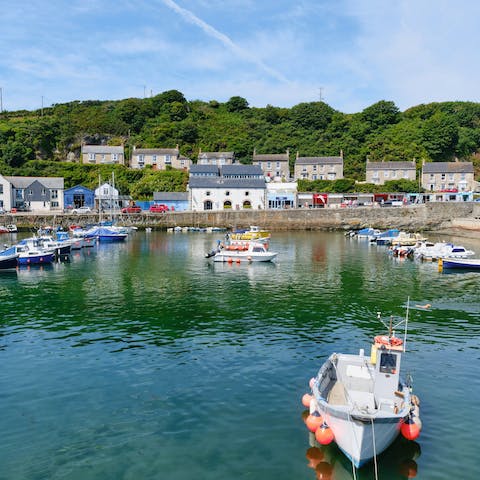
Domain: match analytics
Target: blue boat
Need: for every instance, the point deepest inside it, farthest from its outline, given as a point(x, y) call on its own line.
point(33, 255)
point(8, 259)
point(459, 263)
point(107, 235)
point(385, 238)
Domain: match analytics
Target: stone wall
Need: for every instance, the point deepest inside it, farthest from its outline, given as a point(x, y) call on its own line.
point(431, 216)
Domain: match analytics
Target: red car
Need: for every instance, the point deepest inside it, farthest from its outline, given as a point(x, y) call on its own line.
point(159, 207)
point(132, 209)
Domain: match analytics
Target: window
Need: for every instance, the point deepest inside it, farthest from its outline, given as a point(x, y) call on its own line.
point(44, 191)
point(115, 157)
point(207, 205)
point(314, 176)
point(105, 191)
point(314, 168)
point(227, 193)
point(54, 193)
point(91, 157)
point(432, 176)
point(443, 176)
point(451, 176)
point(55, 204)
point(141, 158)
point(375, 175)
point(269, 165)
point(394, 174)
point(207, 193)
point(386, 174)
point(388, 363)
point(247, 193)
point(154, 158)
point(1, 189)
point(168, 159)
point(278, 164)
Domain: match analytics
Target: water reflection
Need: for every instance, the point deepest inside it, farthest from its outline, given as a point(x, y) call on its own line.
point(399, 461)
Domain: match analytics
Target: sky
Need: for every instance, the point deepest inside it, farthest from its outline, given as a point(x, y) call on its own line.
point(347, 53)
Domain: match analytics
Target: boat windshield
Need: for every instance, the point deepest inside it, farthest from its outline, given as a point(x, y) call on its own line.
point(388, 363)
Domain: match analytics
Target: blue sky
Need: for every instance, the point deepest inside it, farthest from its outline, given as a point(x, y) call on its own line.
point(349, 53)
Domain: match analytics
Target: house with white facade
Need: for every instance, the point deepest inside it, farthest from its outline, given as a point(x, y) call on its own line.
point(380, 172)
point(275, 166)
point(159, 158)
point(37, 194)
point(103, 155)
point(318, 168)
point(448, 177)
point(235, 187)
point(215, 158)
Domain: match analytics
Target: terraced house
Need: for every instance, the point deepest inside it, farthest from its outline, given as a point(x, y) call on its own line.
point(215, 158)
point(275, 166)
point(381, 172)
point(448, 177)
point(318, 168)
point(102, 154)
point(159, 158)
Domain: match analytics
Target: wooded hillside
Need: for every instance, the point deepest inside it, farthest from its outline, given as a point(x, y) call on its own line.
point(40, 142)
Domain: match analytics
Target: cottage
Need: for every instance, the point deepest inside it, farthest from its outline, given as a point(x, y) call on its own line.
point(448, 177)
point(228, 187)
point(215, 158)
point(275, 166)
point(78, 196)
point(102, 154)
point(159, 158)
point(318, 168)
point(381, 172)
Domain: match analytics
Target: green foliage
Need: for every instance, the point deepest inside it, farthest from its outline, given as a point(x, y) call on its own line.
point(37, 143)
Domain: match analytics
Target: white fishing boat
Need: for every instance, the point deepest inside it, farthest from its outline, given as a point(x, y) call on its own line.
point(250, 252)
point(361, 401)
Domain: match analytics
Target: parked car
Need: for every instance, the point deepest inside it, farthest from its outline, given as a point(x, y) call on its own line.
point(131, 209)
point(83, 209)
point(159, 207)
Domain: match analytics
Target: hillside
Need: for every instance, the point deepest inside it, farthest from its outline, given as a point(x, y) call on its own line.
point(40, 142)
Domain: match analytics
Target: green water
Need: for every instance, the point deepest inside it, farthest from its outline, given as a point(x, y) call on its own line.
point(143, 361)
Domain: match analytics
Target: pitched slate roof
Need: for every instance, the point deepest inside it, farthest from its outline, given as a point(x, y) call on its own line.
point(319, 160)
point(197, 169)
point(49, 182)
point(155, 151)
point(216, 154)
point(102, 149)
point(271, 157)
point(222, 182)
point(390, 165)
point(170, 196)
point(240, 169)
point(448, 167)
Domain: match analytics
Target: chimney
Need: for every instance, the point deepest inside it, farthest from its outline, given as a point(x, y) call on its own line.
point(254, 151)
point(288, 152)
point(297, 155)
point(341, 153)
point(177, 146)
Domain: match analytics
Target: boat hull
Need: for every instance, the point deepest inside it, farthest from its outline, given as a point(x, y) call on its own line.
point(234, 257)
point(8, 262)
point(463, 264)
point(36, 259)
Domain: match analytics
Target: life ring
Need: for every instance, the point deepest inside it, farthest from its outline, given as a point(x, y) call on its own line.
point(386, 340)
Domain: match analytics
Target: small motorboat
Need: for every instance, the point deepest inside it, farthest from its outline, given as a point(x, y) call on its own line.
point(249, 252)
point(459, 263)
point(8, 259)
point(361, 402)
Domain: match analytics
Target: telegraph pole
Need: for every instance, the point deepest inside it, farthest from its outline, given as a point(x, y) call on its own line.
point(320, 94)
point(1, 100)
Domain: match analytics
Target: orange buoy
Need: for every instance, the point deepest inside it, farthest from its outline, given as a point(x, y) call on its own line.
point(324, 471)
point(305, 415)
point(230, 260)
point(238, 260)
point(324, 434)
point(314, 456)
point(306, 399)
point(410, 430)
point(314, 421)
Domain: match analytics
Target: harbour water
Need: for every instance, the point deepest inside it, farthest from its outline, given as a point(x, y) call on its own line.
point(144, 361)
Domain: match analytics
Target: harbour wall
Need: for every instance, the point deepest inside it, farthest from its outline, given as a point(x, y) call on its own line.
point(427, 217)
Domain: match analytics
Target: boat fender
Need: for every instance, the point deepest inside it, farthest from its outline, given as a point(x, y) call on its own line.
point(314, 421)
point(409, 429)
point(324, 434)
point(306, 399)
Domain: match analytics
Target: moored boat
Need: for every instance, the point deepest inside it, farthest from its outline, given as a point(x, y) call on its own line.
point(362, 402)
point(251, 252)
point(8, 259)
point(459, 263)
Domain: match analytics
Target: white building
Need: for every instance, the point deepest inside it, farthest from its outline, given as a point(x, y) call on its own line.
point(235, 187)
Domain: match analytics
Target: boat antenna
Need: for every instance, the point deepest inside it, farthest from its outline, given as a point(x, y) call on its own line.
point(379, 317)
point(406, 325)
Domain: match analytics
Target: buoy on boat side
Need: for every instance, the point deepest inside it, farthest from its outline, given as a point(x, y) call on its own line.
point(324, 434)
point(409, 429)
point(314, 421)
point(306, 399)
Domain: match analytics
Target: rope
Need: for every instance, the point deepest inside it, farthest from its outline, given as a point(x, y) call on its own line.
point(374, 451)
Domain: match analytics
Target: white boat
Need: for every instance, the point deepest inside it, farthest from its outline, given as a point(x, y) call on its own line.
point(434, 251)
point(251, 252)
point(362, 402)
point(405, 239)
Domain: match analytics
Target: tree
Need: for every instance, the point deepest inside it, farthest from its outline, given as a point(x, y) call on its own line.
point(236, 104)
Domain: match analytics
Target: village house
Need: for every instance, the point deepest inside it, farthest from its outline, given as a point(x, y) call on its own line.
point(215, 158)
point(102, 154)
point(318, 168)
point(37, 194)
point(275, 166)
point(235, 187)
point(380, 172)
point(448, 177)
point(159, 158)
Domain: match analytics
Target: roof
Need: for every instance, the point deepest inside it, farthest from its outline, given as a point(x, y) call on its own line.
point(390, 165)
point(222, 182)
point(319, 160)
point(197, 169)
point(101, 149)
point(448, 167)
point(271, 157)
point(49, 182)
point(216, 154)
point(170, 196)
point(240, 169)
point(155, 151)
point(78, 188)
